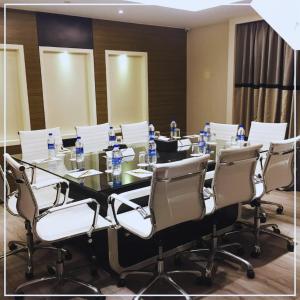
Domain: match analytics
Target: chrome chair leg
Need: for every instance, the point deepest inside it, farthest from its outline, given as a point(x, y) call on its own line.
point(161, 274)
point(59, 277)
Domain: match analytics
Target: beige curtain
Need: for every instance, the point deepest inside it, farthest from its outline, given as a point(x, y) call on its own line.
point(264, 77)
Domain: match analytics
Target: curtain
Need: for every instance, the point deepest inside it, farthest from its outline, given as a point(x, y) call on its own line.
point(264, 77)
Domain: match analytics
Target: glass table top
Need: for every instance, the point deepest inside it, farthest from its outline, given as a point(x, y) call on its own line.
point(64, 165)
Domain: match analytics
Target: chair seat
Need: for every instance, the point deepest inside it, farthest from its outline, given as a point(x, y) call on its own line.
point(135, 223)
point(45, 198)
point(67, 223)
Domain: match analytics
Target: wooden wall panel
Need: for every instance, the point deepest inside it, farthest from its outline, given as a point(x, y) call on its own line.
point(166, 48)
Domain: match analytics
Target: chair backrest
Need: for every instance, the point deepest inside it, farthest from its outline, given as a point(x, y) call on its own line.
point(278, 170)
point(94, 138)
point(34, 142)
point(265, 133)
point(177, 192)
point(135, 133)
point(26, 203)
point(223, 131)
point(3, 185)
point(234, 175)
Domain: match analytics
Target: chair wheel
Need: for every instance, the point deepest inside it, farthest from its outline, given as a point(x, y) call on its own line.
point(12, 246)
point(279, 210)
point(290, 246)
point(250, 273)
point(177, 260)
point(68, 255)
point(256, 252)
point(28, 275)
point(263, 218)
point(51, 270)
point(121, 282)
point(276, 230)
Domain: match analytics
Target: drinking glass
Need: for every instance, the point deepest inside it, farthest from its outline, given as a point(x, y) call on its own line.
point(108, 164)
point(196, 149)
point(142, 158)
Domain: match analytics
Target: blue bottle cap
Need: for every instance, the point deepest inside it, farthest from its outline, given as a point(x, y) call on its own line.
point(110, 127)
point(116, 146)
point(50, 133)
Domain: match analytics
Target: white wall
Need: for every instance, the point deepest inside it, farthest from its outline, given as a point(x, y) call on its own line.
point(210, 73)
point(207, 54)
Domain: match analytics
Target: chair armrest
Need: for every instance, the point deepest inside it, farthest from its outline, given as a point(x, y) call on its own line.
point(125, 198)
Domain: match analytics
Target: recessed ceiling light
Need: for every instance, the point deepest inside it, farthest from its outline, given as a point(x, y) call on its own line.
point(190, 5)
point(120, 11)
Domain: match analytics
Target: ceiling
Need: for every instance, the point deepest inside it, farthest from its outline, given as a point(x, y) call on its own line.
point(136, 13)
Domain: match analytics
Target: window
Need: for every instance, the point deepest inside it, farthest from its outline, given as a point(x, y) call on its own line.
point(127, 86)
point(68, 88)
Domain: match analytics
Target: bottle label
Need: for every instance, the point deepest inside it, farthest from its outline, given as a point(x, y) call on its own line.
point(116, 161)
point(112, 138)
point(152, 152)
point(51, 147)
point(78, 150)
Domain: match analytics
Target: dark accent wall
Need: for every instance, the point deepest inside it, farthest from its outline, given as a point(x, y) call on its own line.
point(166, 48)
point(64, 31)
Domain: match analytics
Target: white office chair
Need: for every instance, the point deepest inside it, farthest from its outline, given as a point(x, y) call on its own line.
point(34, 143)
point(223, 131)
point(94, 138)
point(278, 172)
point(43, 195)
point(135, 133)
point(175, 197)
point(265, 133)
point(56, 224)
point(233, 184)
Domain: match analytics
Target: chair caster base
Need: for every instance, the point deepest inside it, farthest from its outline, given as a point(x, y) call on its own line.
point(276, 230)
point(121, 282)
point(12, 246)
point(210, 275)
point(51, 270)
point(256, 252)
point(250, 274)
point(279, 210)
point(263, 218)
point(290, 246)
point(28, 275)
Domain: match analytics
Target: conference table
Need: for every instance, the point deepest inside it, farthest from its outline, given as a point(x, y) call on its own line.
point(117, 248)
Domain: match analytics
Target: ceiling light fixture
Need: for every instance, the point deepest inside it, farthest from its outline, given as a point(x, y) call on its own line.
point(190, 5)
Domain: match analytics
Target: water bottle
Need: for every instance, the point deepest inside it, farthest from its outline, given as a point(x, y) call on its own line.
point(152, 154)
point(116, 160)
point(173, 126)
point(79, 150)
point(111, 137)
point(151, 131)
point(51, 146)
point(241, 135)
point(207, 131)
point(202, 143)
